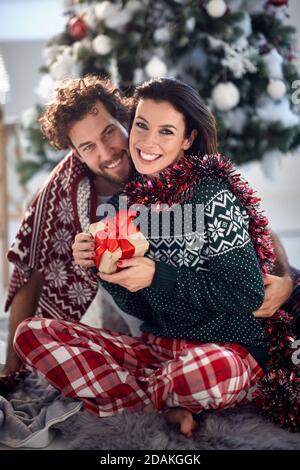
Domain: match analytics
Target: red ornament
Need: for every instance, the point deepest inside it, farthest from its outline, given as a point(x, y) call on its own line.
point(278, 3)
point(77, 28)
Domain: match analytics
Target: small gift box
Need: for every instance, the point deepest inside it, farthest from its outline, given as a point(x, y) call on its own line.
point(116, 239)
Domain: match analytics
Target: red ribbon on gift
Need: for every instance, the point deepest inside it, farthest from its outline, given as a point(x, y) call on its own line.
point(114, 236)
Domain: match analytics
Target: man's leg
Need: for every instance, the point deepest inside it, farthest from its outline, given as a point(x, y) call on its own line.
point(94, 365)
point(24, 305)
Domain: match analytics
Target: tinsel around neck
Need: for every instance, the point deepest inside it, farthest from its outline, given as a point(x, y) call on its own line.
point(177, 183)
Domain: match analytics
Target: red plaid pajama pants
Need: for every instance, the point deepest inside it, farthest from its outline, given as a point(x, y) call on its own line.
point(112, 372)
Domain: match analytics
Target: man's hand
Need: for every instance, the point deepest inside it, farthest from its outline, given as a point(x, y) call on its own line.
point(277, 291)
point(84, 250)
point(138, 273)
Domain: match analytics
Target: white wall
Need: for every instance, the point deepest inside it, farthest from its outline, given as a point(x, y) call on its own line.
point(22, 60)
point(281, 201)
point(25, 26)
point(28, 20)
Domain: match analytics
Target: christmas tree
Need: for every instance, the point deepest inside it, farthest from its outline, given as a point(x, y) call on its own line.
point(239, 55)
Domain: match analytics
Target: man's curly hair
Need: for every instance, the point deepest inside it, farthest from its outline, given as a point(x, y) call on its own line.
point(74, 99)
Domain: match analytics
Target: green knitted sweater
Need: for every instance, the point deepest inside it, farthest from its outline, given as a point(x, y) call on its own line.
point(205, 291)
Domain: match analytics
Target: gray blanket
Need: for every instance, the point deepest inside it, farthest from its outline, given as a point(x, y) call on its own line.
point(36, 411)
point(28, 414)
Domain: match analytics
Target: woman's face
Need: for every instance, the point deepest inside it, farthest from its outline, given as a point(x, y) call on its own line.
point(157, 138)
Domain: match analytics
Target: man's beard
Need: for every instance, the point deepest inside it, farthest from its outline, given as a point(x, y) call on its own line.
point(121, 179)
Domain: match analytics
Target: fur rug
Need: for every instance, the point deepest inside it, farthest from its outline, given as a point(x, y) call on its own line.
point(237, 429)
point(234, 429)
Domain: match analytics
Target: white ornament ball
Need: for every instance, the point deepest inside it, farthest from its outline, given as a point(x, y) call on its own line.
point(162, 35)
point(102, 44)
point(156, 67)
point(133, 6)
point(276, 89)
point(225, 96)
point(216, 8)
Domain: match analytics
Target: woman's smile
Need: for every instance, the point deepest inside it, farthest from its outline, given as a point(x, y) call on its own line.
point(147, 157)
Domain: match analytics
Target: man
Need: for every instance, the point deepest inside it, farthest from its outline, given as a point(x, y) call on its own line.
point(89, 117)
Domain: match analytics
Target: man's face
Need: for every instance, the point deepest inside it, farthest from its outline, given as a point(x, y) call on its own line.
point(102, 144)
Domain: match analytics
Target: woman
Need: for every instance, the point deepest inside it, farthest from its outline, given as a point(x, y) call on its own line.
point(195, 292)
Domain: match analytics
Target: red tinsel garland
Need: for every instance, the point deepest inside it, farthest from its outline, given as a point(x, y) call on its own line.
point(278, 394)
point(176, 185)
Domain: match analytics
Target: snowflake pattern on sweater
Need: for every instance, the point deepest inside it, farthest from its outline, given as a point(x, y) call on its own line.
point(226, 226)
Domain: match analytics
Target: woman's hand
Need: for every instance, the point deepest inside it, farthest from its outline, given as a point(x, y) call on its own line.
point(84, 250)
point(277, 291)
point(137, 274)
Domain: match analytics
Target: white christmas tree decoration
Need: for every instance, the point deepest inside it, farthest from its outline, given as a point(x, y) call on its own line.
point(102, 44)
point(156, 67)
point(278, 112)
point(65, 65)
point(45, 88)
point(273, 62)
point(162, 35)
point(133, 6)
point(29, 117)
point(225, 96)
point(216, 8)
point(276, 89)
point(240, 58)
point(113, 15)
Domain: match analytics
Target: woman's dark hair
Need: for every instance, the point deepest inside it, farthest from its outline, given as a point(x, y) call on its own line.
point(74, 99)
point(187, 101)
